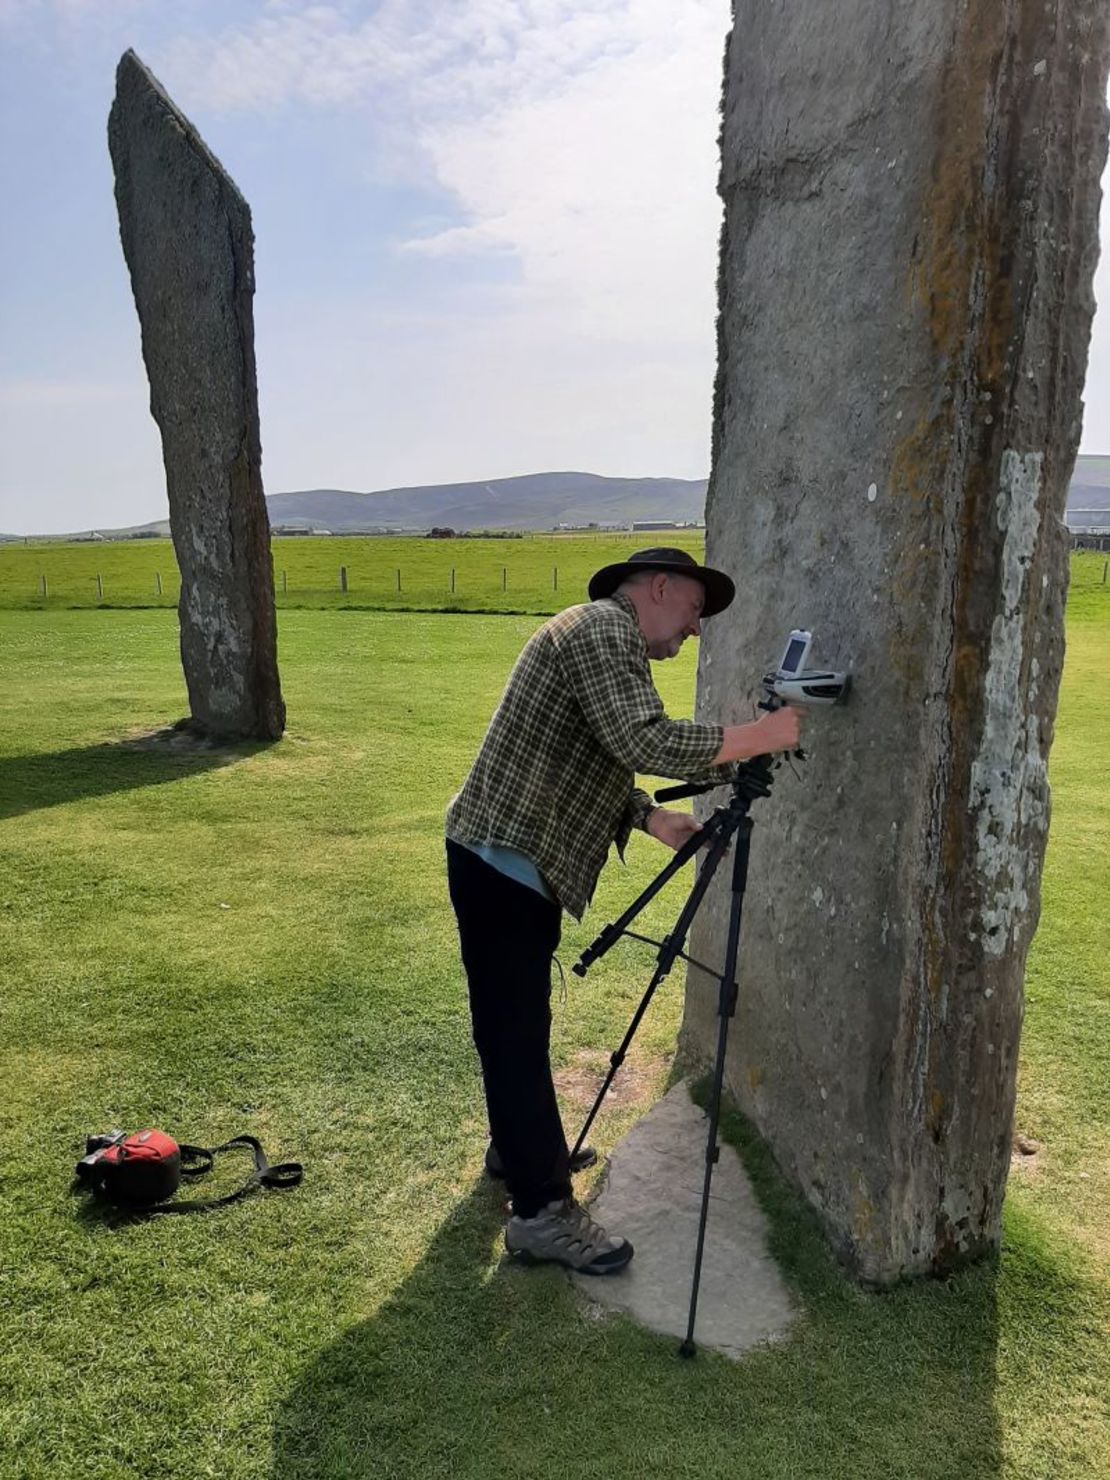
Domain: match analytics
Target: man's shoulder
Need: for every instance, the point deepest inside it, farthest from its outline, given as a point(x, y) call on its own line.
point(591, 617)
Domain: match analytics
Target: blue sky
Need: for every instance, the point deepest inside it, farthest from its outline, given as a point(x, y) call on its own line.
point(485, 241)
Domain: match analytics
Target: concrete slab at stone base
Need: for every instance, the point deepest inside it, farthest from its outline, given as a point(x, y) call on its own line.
point(652, 1196)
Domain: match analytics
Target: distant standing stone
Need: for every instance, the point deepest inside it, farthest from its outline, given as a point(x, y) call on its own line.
point(187, 239)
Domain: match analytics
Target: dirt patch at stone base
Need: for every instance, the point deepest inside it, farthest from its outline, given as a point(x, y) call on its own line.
point(637, 1082)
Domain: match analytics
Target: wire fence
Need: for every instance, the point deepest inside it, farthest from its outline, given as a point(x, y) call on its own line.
point(531, 582)
point(399, 586)
point(515, 574)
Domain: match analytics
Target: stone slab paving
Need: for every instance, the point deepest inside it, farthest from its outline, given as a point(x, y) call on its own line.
point(652, 1196)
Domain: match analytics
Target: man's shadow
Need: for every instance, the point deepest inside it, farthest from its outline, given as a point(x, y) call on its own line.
point(28, 782)
point(476, 1367)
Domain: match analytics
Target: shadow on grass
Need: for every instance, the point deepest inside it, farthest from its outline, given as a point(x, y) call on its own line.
point(28, 782)
point(475, 1368)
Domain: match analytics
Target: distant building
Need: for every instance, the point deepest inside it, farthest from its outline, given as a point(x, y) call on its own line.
point(648, 524)
point(1089, 528)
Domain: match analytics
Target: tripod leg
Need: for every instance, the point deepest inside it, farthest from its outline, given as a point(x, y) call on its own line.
point(726, 1006)
point(672, 945)
point(612, 933)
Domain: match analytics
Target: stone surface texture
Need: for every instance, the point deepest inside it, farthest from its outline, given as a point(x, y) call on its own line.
point(652, 1196)
point(187, 239)
point(911, 204)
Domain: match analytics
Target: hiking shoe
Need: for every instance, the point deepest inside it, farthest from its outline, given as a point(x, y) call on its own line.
point(496, 1167)
point(564, 1233)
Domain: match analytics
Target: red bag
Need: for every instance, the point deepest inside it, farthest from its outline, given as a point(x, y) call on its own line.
point(141, 1170)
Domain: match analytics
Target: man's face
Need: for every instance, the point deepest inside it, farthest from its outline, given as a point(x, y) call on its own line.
point(672, 615)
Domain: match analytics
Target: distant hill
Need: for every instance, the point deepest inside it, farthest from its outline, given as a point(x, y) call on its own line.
point(1089, 494)
point(541, 501)
point(536, 501)
point(533, 502)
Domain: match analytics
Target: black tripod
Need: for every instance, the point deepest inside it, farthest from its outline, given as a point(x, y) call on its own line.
point(752, 779)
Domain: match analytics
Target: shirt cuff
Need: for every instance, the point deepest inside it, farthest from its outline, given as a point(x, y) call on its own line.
point(640, 808)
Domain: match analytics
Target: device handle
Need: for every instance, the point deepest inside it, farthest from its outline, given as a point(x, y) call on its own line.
point(690, 789)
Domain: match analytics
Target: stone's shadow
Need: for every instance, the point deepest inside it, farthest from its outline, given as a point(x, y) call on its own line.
point(28, 782)
point(480, 1368)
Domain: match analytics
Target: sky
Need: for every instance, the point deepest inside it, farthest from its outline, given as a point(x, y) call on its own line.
point(486, 239)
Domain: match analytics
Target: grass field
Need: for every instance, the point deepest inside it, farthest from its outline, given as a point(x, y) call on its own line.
point(536, 574)
point(262, 942)
point(539, 573)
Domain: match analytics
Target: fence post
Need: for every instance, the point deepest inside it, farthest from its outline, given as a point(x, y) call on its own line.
point(99, 587)
point(158, 582)
point(343, 578)
point(452, 580)
point(1105, 564)
point(504, 576)
point(398, 578)
point(555, 578)
point(285, 583)
point(42, 585)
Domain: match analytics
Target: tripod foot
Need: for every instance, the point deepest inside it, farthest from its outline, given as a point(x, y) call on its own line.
point(687, 1349)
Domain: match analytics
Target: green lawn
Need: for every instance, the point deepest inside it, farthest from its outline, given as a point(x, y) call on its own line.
point(263, 943)
point(539, 573)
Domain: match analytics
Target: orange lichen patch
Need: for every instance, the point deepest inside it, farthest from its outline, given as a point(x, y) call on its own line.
point(913, 470)
point(863, 1215)
point(916, 478)
point(756, 1076)
point(958, 231)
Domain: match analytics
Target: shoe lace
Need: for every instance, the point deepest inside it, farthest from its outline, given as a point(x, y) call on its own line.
point(586, 1232)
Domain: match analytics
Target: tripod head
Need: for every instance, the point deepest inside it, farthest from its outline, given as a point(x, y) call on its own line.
point(749, 780)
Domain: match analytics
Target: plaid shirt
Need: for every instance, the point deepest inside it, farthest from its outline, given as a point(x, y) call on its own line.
point(555, 774)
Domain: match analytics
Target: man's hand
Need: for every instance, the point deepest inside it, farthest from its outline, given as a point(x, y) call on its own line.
point(672, 828)
point(779, 729)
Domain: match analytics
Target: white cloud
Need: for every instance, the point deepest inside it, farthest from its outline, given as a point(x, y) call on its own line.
point(437, 55)
point(578, 138)
point(604, 192)
point(70, 16)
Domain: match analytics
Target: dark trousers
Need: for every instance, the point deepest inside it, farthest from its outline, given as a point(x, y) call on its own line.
point(509, 933)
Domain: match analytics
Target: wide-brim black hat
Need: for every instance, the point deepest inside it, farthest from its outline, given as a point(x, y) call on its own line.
point(719, 589)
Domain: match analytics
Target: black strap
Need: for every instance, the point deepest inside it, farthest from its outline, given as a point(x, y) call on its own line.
point(196, 1160)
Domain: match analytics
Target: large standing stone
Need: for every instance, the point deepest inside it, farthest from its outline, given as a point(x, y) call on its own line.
point(911, 198)
point(187, 238)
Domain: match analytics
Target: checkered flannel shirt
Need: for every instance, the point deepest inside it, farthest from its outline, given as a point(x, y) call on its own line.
point(555, 774)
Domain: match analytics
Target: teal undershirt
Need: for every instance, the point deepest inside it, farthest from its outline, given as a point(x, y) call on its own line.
point(514, 865)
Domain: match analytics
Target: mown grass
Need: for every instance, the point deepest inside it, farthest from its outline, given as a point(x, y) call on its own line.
point(537, 573)
point(261, 941)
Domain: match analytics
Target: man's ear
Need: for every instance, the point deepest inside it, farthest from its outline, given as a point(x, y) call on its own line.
point(658, 586)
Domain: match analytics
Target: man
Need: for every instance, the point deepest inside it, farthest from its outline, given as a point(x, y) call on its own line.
point(552, 787)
